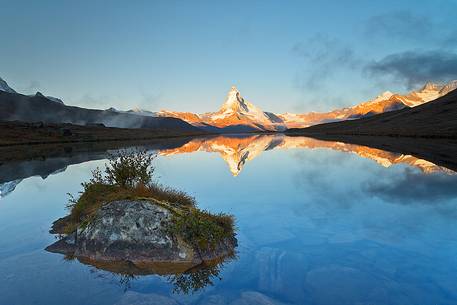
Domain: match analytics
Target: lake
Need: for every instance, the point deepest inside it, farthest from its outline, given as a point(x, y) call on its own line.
point(318, 222)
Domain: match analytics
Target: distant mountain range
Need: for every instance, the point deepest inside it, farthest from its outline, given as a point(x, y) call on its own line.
point(435, 119)
point(40, 108)
point(236, 114)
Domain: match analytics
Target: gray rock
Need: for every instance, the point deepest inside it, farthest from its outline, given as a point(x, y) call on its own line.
point(135, 231)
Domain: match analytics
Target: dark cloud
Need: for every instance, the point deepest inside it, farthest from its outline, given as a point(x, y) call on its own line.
point(323, 57)
point(414, 187)
point(414, 68)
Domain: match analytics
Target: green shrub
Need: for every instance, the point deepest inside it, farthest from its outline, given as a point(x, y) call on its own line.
point(202, 229)
point(130, 169)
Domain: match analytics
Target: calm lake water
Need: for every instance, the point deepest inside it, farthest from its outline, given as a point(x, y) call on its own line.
point(318, 223)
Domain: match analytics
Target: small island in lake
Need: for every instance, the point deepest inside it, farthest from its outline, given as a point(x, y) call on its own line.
point(123, 220)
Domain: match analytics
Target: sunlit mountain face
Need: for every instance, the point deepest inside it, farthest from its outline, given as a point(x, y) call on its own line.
point(238, 115)
point(238, 150)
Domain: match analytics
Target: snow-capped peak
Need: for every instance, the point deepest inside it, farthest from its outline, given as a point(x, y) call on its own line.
point(4, 87)
point(429, 86)
point(452, 85)
point(234, 102)
point(384, 96)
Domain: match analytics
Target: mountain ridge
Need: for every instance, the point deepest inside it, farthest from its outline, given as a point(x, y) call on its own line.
point(434, 119)
point(236, 114)
point(5, 87)
point(45, 109)
point(236, 111)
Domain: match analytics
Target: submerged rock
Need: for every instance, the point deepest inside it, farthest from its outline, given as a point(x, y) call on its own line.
point(137, 232)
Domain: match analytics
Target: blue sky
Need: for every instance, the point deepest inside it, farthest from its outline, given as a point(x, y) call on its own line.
point(284, 56)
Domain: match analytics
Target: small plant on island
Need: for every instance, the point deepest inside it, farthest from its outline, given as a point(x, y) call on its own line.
point(129, 176)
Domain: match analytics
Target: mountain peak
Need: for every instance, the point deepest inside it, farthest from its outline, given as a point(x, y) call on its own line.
point(452, 85)
point(383, 96)
point(429, 86)
point(234, 102)
point(4, 86)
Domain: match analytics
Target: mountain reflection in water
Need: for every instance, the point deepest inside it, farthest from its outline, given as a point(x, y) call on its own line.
point(236, 150)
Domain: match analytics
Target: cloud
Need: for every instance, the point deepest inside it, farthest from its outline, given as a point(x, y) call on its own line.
point(414, 187)
point(312, 177)
point(323, 57)
point(414, 68)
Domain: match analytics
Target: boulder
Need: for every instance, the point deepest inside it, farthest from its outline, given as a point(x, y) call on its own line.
point(135, 231)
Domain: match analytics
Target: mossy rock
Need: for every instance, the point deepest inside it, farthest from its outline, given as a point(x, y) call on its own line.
point(141, 232)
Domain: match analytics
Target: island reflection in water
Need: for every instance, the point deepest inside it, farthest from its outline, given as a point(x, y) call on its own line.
point(183, 278)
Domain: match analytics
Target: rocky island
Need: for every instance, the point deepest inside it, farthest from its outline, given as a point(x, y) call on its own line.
point(122, 220)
